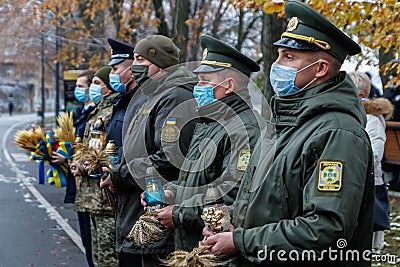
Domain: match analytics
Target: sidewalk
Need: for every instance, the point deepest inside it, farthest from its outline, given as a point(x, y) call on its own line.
point(33, 118)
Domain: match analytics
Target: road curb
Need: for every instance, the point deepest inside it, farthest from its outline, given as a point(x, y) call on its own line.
point(54, 214)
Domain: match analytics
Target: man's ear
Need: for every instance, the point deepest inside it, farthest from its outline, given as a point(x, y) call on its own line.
point(323, 68)
point(231, 86)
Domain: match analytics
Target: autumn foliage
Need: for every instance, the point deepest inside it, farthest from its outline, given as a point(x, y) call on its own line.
point(83, 26)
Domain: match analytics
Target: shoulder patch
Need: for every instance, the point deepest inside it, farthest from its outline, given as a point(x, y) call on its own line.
point(170, 132)
point(243, 159)
point(330, 176)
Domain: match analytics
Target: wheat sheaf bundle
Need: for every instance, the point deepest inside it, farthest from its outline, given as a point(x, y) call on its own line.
point(80, 149)
point(65, 130)
point(28, 139)
point(147, 230)
point(96, 158)
point(195, 258)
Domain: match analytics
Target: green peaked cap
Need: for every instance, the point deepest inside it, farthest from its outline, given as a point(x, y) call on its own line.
point(309, 30)
point(218, 56)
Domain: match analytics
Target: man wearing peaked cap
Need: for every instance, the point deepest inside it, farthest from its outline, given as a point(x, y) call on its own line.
point(227, 119)
point(315, 196)
point(120, 51)
point(218, 56)
point(122, 80)
point(224, 67)
point(308, 30)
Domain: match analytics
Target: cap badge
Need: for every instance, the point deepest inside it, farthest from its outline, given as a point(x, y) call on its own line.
point(204, 54)
point(151, 52)
point(292, 24)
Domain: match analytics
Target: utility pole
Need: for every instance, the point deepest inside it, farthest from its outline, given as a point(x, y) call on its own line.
point(42, 55)
point(57, 68)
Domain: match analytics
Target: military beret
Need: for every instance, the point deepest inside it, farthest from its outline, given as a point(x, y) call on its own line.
point(309, 30)
point(218, 56)
point(159, 50)
point(119, 51)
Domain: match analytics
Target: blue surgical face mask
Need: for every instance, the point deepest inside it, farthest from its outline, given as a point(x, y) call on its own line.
point(115, 81)
point(282, 79)
point(204, 94)
point(95, 93)
point(80, 94)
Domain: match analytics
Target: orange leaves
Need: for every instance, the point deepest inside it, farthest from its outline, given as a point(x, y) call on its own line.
point(190, 22)
point(317, 4)
point(268, 6)
point(391, 2)
point(273, 7)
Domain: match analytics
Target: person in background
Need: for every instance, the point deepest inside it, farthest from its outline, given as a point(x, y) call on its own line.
point(10, 107)
point(393, 95)
point(81, 94)
point(316, 196)
point(378, 111)
point(374, 92)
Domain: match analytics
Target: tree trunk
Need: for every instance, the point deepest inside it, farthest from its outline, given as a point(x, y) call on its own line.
point(271, 32)
point(116, 14)
point(180, 30)
point(384, 59)
point(162, 24)
point(196, 30)
point(244, 28)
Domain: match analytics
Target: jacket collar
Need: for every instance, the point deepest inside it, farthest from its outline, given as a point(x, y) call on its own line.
point(225, 108)
point(173, 77)
point(124, 98)
point(336, 94)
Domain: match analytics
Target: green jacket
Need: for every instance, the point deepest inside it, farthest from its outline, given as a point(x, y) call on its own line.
point(89, 196)
point(149, 140)
point(219, 152)
point(318, 194)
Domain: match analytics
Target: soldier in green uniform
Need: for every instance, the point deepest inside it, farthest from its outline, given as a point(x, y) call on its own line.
point(156, 132)
point(89, 197)
point(225, 136)
point(314, 206)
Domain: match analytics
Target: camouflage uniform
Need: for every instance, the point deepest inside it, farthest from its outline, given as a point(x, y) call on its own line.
point(103, 242)
point(90, 198)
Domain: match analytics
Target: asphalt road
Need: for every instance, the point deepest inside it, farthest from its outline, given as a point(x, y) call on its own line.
point(36, 227)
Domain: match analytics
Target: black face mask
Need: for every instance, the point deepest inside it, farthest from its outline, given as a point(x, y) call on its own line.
point(140, 73)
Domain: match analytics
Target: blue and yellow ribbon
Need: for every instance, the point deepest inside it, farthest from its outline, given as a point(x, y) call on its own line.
point(57, 174)
point(41, 154)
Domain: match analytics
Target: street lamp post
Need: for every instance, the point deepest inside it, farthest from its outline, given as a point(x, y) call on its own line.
point(57, 71)
point(42, 61)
